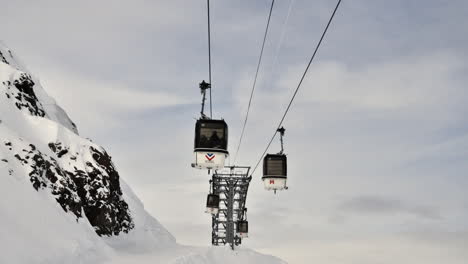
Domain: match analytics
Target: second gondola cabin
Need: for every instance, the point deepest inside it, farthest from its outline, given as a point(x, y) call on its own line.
point(242, 228)
point(275, 172)
point(212, 204)
point(211, 141)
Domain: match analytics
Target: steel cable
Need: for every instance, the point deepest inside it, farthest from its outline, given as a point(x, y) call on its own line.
point(299, 85)
point(255, 81)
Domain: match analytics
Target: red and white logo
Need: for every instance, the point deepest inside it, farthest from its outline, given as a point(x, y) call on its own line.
point(210, 156)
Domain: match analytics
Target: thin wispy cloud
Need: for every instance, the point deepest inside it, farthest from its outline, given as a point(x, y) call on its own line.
point(375, 205)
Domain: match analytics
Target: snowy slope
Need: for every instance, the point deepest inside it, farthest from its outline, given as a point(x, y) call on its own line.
point(34, 229)
point(61, 197)
point(52, 110)
point(197, 255)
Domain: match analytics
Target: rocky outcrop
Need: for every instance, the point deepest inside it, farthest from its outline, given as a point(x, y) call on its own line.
point(93, 192)
point(79, 174)
point(21, 91)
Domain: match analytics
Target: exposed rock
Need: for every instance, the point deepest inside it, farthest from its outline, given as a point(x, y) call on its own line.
point(94, 191)
point(21, 90)
point(2, 58)
point(58, 149)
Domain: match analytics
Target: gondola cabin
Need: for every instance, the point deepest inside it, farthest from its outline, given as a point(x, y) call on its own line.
point(242, 228)
point(211, 140)
point(212, 204)
point(275, 172)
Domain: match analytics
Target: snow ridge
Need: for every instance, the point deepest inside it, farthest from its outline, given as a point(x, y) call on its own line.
point(29, 93)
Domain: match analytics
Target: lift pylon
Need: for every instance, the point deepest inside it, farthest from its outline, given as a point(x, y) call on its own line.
point(231, 184)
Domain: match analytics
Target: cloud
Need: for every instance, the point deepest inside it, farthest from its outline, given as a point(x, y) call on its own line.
point(376, 205)
point(427, 81)
point(92, 103)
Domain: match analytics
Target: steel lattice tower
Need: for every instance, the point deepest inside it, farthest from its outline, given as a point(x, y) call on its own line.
point(231, 184)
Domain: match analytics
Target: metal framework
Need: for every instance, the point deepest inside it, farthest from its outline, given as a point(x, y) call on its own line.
point(203, 87)
point(231, 184)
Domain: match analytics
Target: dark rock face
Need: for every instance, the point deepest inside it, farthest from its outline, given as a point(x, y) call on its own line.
point(93, 193)
point(46, 173)
point(3, 59)
point(105, 208)
point(58, 149)
point(22, 93)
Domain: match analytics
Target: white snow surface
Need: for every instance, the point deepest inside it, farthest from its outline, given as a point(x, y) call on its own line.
point(34, 229)
point(15, 65)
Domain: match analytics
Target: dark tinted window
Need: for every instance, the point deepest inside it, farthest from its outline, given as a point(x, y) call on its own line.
point(211, 134)
point(212, 200)
point(242, 226)
point(274, 165)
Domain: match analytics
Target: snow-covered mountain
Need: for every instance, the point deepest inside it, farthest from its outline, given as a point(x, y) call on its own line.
point(62, 199)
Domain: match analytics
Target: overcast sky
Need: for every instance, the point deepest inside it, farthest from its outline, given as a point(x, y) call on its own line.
point(377, 140)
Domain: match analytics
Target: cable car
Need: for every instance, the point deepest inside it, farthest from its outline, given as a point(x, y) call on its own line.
point(242, 228)
point(211, 140)
point(212, 204)
point(275, 172)
point(275, 169)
